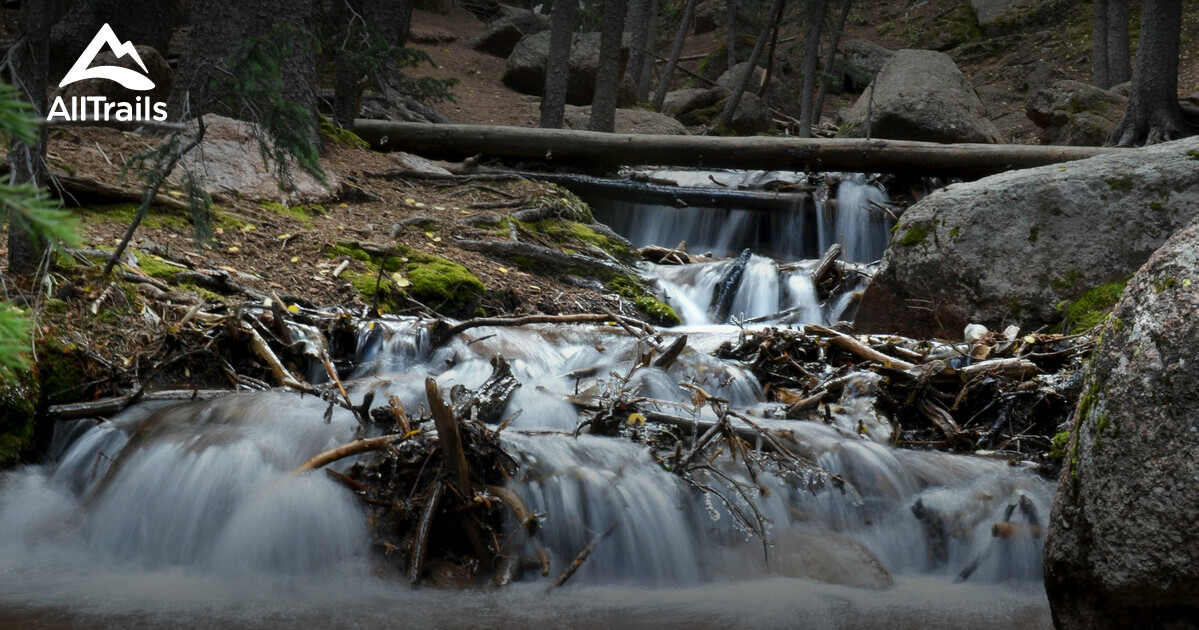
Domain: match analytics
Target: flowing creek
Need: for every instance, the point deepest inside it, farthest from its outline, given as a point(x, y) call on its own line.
point(185, 514)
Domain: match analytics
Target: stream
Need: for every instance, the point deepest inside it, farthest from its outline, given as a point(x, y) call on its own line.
point(185, 514)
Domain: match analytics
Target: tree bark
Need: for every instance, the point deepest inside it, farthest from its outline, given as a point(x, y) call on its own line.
point(831, 58)
point(220, 27)
point(646, 76)
point(388, 20)
point(639, 16)
point(1118, 70)
point(557, 70)
point(1099, 32)
point(30, 67)
point(604, 149)
point(1153, 113)
point(143, 22)
point(731, 32)
point(810, 62)
point(734, 99)
point(607, 75)
point(680, 38)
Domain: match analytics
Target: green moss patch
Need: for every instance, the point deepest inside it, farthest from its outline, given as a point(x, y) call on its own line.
point(155, 268)
point(1092, 308)
point(341, 135)
point(303, 213)
point(567, 233)
point(441, 284)
point(915, 235)
point(18, 405)
point(658, 311)
point(124, 213)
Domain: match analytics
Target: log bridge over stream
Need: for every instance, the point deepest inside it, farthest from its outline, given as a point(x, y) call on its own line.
point(607, 150)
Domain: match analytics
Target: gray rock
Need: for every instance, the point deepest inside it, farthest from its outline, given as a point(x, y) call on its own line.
point(921, 95)
point(525, 71)
point(862, 62)
point(710, 15)
point(503, 34)
point(157, 70)
point(782, 93)
point(997, 17)
point(1069, 112)
point(684, 101)
point(1011, 247)
point(229, 162)
point(627, 121)
point(1121, 551)
point(751, 116)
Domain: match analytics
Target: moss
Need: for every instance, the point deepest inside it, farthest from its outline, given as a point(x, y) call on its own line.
point(303, 213)
point(955, 232)
point(566, 232)
point(1121, 183)
point(155, 268)
point(124, 213)
point(341, 135)
point(60, 372)
point(659, 312)
point(915, 235)
point(1015, 308)
point(1156, 205)
point(1164, 284)
point(1193, 154)
point(1092, 308)
point(436, 282)
point(1033, 234)
point(1066, 283)
point(207, 294)
point(227, 221)
point(1058, 449)
point(18, 407)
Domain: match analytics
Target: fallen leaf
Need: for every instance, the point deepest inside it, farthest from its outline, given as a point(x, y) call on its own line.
point(293, 309)
point(295, 259)
point(503, 270)
point(636, 418)
point(283, 237)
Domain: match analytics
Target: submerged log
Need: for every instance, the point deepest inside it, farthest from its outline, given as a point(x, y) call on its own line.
point(722, 301)
point(611, 149)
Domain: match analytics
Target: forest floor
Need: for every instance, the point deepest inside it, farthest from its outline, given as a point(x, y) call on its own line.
point(1002, 68)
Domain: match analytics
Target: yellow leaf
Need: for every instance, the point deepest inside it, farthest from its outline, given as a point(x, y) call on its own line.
point(503, 270)
point(436, 239)
point(283, 237)
point(428, 235)
point(295, 259)
point(410, 201)
point(419, 204)
point(400, 280)
point(293, 309)
point(439, 207)
point(1029, 339)
point(232, 249)
point(636, 418)
point(342, 205)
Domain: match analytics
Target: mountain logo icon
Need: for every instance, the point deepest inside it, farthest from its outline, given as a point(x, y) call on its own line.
point(128, 78)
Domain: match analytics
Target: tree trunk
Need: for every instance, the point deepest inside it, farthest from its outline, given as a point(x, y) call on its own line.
point(387, 20)
point(143, 22)
point(734, 99)
point(607, 75)
point(557, 69)
point(1099, 71)
point(646, 76)
point(30, 68)
point(832, 58)
point(731, 32)
point(639, 17)
point(811, 59)
point(1118, 70)
point(1153, 114)
point(220, 27)
point(680, 38)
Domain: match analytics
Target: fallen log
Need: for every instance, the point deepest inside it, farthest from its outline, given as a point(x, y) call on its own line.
point(782, 153)
point(420, 544)
point(582, 557)
point(448, 437)
point(561, 261)
point(722, 300)
point(356, 447)
point(649, 193)
point(857, 348)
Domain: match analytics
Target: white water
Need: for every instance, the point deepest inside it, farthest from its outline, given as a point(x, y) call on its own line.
point(185, 513)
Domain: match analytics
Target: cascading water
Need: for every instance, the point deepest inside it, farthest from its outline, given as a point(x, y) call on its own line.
point(197, 496)
point(186, 514)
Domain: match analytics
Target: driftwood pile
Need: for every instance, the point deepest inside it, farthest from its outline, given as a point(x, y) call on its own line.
point(1002, 392)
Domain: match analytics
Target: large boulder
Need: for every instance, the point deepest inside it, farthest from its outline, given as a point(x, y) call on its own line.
point(1121, 550)
point(157, 70)
point(1074, 113)
point(921, 95)
point(627, 121)
point(228, 162)
point(781, 94)
point(862, 62)
point(710, 15)
point(751, 116)
point(1011, 248)
point(525, 71)
point(503, 34)
point(688, 100)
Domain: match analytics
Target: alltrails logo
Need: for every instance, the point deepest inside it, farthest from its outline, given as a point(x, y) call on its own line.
point(99, 107)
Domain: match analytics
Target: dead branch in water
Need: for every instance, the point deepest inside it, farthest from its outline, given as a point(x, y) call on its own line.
point(356, 447)
point(582, 557)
